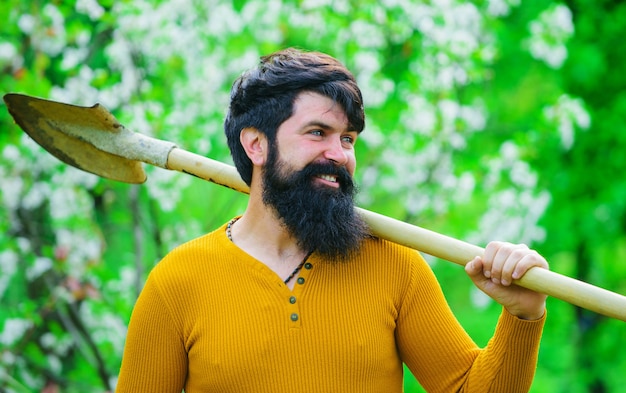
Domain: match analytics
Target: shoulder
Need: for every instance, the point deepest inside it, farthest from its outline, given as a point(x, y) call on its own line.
point(194, 258)
point(402, 265)
point(192, 250)
point(390, 254)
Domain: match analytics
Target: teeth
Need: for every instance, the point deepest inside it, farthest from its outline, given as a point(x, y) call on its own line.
point(329, 178)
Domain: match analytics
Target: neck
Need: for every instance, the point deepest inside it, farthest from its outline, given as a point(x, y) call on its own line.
point(251, 237)
point(261, 234)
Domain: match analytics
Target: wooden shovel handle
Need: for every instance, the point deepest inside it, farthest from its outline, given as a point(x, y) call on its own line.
point(545, 281)
point(97, 131)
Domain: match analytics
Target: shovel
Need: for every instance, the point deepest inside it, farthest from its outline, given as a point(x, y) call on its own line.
point(91, 139)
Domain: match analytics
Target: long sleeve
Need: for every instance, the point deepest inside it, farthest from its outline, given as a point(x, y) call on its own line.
point(510, 358)
point(445, 359)
point(154, 355)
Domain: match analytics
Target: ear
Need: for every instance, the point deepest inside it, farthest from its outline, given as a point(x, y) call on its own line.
point(254, 143)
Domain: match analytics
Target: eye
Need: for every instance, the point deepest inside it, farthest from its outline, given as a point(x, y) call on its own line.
point(348, 139)
point(316, 132)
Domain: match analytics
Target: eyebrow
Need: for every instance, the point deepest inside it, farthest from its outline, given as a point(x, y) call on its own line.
point(322, 125)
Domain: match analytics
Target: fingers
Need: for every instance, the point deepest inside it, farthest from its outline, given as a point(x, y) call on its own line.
point(495, 271)
point(505, 262)
point(475, 267)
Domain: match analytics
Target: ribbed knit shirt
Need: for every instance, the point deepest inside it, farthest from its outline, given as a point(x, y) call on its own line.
point(211, 318)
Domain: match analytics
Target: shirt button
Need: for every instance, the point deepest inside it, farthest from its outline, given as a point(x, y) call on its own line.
point(294, 317)
point(300, 280)
point(308, 266)
point(292, 300)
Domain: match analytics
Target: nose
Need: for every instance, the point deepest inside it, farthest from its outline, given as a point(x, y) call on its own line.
point(335, 152)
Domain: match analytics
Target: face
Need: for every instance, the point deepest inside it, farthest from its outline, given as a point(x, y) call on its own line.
point(317, 132)
point(308, 179)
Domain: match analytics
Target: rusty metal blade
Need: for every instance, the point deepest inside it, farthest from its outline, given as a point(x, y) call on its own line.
point(47, 122)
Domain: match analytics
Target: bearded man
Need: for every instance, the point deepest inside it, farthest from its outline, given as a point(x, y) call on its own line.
point(295, 295)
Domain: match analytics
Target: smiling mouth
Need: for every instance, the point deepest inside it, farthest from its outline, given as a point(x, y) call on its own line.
point(332, 179)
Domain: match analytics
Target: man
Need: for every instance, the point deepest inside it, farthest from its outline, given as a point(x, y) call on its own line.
point(295, 295)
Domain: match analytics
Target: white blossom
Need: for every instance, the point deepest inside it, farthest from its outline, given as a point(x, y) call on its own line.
point(105, 327)
point(84, 248)
point(60, 345)
point(90, 8)
point(8, 53)
point(165, 187)
point(420, 116)
point(549, 33)
point(54, 363)
point(11, 189)
point(51, 37)
point(36, 196)
point(501, 8)
point(27, 23)
point(40, 266)
point(13, 330)
point(568, 114)
point(8, 267)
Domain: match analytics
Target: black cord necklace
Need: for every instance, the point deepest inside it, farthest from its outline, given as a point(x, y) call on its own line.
point(295, 271)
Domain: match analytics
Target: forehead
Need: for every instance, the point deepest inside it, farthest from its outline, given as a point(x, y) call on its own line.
point(310, 107)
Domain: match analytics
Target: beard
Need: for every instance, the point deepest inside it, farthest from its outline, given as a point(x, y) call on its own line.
point(321, 219)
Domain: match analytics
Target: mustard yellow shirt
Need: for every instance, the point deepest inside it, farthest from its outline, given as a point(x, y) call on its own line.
point(213, 319)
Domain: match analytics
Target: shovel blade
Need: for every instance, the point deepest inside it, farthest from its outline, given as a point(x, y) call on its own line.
point(50, 123)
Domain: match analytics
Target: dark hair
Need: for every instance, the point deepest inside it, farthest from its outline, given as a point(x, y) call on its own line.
point(263, 97)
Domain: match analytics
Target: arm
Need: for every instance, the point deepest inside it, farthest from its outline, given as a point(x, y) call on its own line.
point(444, 358)
point(154, 358)
point(508, 362)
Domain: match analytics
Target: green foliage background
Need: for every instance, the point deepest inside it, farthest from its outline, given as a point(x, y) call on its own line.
point(493, 119)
